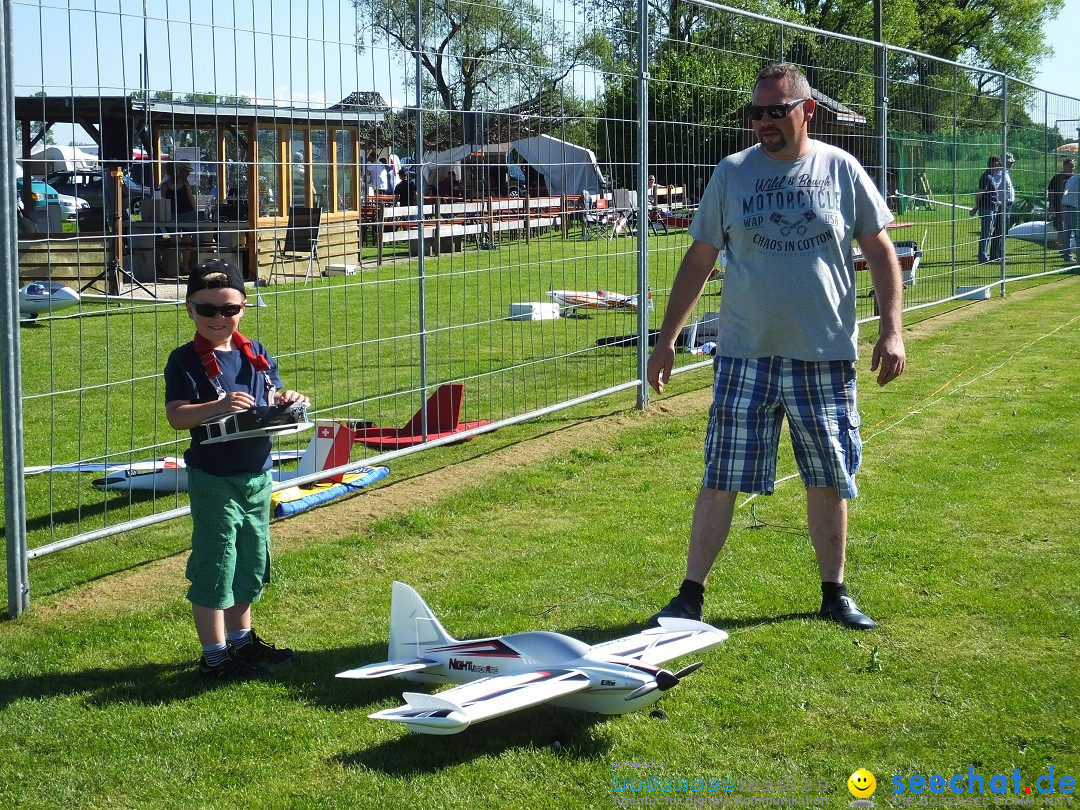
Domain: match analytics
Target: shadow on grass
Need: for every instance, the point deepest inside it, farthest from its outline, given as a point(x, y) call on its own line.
point(115, 503)
point(537, 727)
point(310, 677)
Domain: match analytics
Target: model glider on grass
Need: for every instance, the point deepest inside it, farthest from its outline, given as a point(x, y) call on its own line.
point(505, 674)
point(570, 301)
point(1039, 233)
point(45, 297)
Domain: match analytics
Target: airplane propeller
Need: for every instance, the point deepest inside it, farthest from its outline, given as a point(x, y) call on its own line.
point(664, 680)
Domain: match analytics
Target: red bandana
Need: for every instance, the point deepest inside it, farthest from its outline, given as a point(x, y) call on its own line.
point(205, 350)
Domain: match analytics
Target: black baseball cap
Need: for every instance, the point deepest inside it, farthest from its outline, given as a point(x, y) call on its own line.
point(215, 274)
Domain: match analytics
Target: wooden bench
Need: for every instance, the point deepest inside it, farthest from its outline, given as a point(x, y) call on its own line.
point(446, 224)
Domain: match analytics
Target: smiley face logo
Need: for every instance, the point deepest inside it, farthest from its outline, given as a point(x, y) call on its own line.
point(862, 784)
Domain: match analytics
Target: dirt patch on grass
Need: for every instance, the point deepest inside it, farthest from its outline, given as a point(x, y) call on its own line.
point(400, 496)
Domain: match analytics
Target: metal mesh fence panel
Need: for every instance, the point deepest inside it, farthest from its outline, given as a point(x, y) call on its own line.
point(547, 216)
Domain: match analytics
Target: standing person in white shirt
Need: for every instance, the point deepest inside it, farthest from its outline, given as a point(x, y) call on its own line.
point(1007, 194)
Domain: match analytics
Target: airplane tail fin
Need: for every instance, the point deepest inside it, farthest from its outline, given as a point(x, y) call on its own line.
point(413, 626)
point(443, 410)
point(328, 448)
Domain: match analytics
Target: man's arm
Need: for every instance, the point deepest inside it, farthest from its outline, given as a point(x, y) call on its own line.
point(697, 264)
point(888, 359)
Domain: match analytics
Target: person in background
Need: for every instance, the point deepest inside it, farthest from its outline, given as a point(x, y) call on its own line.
point(787, 333)
point(987, 203)
point(1070, 219)
point(405, 190)
point(177, 188)
point(1054, 190)
point(374, 169)
point(1007, 197)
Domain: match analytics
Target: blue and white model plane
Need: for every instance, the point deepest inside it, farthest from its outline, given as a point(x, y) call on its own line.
point(504, 674)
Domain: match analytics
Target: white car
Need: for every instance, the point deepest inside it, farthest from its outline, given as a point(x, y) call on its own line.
point(71, 206)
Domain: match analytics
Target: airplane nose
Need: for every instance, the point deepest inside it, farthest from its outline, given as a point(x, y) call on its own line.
point(664, 680)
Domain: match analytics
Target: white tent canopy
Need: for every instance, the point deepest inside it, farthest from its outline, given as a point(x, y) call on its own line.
point(60, 159)
point(437, 165)
point(567, 168)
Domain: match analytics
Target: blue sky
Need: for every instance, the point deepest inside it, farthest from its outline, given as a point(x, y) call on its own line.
point(273, 51)
point(1061, 73)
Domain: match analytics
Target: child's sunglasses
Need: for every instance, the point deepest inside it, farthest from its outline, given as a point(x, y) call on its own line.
point(209, 310)
point(775, 111)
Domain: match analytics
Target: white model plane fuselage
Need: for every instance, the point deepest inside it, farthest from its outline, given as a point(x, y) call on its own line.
point(44, 297)
point(503, 674)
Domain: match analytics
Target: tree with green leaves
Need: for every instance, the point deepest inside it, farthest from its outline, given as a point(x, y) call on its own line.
point(472, 54)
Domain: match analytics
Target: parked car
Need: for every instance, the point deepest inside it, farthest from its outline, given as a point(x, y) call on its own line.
point(71, 206)
point(43, 194)
point(89, 185)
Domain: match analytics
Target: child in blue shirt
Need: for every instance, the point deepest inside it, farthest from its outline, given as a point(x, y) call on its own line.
point(229, 483)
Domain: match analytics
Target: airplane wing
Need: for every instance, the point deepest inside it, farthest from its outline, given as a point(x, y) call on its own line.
point(455, 709)
point(657, 645)
point(150, 465)
point(386, 668)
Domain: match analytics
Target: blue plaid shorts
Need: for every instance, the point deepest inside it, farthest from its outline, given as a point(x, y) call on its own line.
point(751, 399)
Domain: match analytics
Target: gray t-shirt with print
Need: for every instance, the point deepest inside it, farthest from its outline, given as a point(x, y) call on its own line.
point(787, 226)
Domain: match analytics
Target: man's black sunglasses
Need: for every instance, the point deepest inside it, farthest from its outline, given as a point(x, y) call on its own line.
point(209, 310)
point(777, 111)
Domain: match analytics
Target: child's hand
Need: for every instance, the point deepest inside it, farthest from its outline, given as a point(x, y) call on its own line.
point(287, 397)
point(236, 401)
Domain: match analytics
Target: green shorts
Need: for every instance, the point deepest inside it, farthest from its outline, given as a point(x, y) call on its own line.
point(230, 538)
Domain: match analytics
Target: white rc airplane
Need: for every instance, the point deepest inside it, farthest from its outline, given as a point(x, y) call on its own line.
point(508, 673)
point(328, 448)
point(571, 301)
point(44, 297)
point(1040, 233)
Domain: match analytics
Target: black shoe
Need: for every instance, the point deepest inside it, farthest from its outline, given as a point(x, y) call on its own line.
point(257, 651)
point(678, 608)
point(231, 669)
point(844, 611)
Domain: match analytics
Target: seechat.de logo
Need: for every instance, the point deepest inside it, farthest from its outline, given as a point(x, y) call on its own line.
point(862, 785)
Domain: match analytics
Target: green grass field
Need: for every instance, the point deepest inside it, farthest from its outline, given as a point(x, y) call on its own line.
point(964, 546)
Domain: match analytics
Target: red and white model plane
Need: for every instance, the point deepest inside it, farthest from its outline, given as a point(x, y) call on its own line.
point(508, 673)
point(570, 301)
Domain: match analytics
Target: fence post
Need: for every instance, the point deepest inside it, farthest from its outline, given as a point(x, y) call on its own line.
point(11, 359)
point(643, 206)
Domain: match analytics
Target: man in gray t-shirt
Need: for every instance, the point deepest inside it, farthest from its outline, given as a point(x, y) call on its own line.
point(786, 211)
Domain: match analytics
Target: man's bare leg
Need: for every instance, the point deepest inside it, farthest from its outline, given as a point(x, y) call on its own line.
point(827, 517)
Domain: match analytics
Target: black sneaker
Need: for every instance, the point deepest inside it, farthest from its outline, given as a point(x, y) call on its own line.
point(678, 608)
point(231, 669)
point(844, 611)
point(257, 651)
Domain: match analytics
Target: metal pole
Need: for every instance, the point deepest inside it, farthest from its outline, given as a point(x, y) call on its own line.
point(643, 205)
point(953, 235)
point(881, 96)
point(420, 246)
point(10, 368)
point(1004, 221)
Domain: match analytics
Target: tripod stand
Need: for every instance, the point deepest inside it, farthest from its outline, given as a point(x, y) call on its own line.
point(114, 271)
point(113, 274)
